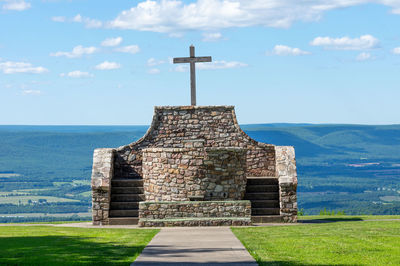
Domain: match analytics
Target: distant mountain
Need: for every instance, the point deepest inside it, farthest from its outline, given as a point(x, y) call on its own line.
point(355, 168)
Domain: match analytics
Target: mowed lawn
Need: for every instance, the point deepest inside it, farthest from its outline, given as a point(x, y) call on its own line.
point(48, 245)
point(335, 243)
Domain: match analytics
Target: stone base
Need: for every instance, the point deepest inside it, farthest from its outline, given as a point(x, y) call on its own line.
point(209, 221)
point(194, 213)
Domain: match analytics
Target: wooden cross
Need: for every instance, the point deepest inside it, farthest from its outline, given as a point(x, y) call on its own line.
point(192, 60)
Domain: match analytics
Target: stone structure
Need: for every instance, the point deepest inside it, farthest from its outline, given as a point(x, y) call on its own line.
point(181, 174)
point(194, 158)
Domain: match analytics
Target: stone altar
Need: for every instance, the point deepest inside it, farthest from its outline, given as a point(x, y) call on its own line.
point(194, 166)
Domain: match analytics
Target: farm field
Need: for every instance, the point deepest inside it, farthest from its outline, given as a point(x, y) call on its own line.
point(25, 199)
point(79, 214)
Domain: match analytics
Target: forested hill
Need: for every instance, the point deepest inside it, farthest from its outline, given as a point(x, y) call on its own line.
point(355, 168)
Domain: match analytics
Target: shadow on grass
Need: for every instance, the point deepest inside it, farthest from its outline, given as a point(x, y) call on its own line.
point(330, 220)
point(64, 250)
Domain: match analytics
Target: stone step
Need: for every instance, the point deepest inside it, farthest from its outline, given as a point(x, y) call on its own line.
point(262, 181)
point(120, 182)
point(124, 213)
point(127, 197)
point(265, 204)
point(265, 211)
point(262, 196)
point(127, 190)
point(117, 205)
point(123, 221)
point(262, 188)
point(267, 219)
point(194, 221)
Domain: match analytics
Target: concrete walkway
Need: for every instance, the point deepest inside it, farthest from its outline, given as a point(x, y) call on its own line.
point(195, 246)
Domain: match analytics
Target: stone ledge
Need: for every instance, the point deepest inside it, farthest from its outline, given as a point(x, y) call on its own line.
point(244, 202)
point(196, 107)
point(194, 149)
point(215, 221)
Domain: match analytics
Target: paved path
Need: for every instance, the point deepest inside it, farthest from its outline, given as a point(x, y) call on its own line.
point(195, 246)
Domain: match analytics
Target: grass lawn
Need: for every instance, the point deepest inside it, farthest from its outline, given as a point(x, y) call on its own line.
point(348, 217)
point(47, 245)
point(335, 243)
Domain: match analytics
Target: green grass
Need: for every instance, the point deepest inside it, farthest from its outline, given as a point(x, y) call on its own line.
point(335, 243)
point(46, 245)
point(348, 217)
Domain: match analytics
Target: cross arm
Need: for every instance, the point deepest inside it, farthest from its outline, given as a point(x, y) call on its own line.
point(192, 59)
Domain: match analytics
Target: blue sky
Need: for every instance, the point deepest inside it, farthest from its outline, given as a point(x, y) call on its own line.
point(81, 62)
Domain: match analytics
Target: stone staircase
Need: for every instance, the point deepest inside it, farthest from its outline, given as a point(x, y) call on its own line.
point(126, 193)
point(263, 193)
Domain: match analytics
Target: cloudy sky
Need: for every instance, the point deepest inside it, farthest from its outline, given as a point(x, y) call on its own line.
point(85, 62)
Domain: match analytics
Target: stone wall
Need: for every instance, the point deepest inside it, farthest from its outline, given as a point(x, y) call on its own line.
point(287, 175)
point(101, 180)
point(179, 174)
point(195, 213)
point(187, 154)
point(195, 127)
point(186, 209)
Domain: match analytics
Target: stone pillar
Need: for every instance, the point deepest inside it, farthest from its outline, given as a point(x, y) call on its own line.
point(102, 172)
point(287, 175)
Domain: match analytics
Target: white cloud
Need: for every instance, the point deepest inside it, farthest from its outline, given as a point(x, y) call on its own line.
point(220, 65)
point(176, 16)
point(176, 35)
point(10, 67)
point(132, 49)
point(77, 74)
point(181, 68)
point(212, 65)
point(108, 66)
point(212, 37)
point(111, 41)
point(396, 50)
point(346, 43)
point(77, 18)
point(31, 92)
point(154, 62)
point(59, 19)
point(17, 5)
point(286, 50)
point(363, 56)
point(77, 51)
point(89, 22)
point(153, 71)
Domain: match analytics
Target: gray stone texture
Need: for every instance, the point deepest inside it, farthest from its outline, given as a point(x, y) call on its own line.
point(195, 213)
point(171, 174)
point(194, 153)
point(103, 161)
point(195, 126)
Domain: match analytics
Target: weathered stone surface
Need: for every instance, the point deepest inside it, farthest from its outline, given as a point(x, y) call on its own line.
point(102, 172)
point(194, 153)
point(196, 222)
point(195, 127)
point(202, 173)
point(287, 176)
point(190, 213)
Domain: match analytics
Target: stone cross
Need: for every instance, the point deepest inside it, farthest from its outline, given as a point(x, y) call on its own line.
point(192, 60)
